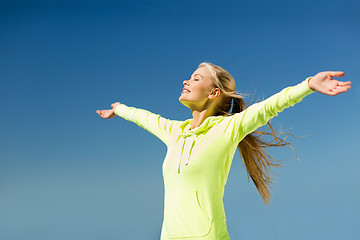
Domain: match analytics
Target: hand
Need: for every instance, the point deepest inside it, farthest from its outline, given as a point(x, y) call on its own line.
point(108, 113)
point(324, 83)
point(114, 105)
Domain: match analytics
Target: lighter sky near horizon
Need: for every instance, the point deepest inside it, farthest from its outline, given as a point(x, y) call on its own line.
point(65, 173)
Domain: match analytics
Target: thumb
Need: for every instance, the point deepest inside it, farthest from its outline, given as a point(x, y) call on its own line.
point(337, 74)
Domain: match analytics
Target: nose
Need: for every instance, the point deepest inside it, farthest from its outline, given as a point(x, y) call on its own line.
point(185, 82)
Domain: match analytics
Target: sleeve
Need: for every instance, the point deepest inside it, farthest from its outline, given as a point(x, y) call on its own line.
point(260, 113)
point(151, 122)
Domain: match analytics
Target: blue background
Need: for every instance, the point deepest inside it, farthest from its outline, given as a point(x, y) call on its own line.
point(65, 173)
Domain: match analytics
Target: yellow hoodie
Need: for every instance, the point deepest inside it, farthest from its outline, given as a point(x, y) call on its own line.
point(198, 161)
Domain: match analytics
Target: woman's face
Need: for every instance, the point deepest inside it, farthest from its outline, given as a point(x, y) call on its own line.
point(198, 89)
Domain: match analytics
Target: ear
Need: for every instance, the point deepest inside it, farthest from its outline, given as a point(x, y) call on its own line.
point(215, 92)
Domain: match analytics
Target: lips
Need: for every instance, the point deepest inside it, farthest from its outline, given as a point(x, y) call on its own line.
point(185, 90)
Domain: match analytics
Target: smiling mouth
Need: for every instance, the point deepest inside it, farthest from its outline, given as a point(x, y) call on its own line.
point(185, 91)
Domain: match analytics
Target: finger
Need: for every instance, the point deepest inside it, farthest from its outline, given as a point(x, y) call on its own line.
point(339, 90)
point(343, 83)
point(337, 74)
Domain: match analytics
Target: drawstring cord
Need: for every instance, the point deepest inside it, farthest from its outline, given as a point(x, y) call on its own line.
point(182, 149)
point(192, 134)
point(189, 151)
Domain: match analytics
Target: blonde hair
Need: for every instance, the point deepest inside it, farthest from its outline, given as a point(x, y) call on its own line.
point(252, 148)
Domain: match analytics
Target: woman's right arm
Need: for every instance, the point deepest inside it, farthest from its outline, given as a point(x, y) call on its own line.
point(154, 123)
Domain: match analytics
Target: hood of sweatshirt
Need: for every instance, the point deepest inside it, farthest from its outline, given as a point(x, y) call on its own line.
point(189, 135)
point(204, 126)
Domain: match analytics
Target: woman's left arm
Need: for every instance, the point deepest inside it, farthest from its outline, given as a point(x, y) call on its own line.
point(323, 82)
point(260, 113)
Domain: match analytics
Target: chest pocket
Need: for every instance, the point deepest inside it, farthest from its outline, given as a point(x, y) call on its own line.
point(184, 217)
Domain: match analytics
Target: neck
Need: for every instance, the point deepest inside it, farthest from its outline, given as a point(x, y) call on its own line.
point(199, 115)
point(199, 118)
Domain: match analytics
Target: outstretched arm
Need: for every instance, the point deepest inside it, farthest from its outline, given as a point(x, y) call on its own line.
point(260, 113)
point(323, 82)
point(151, 122)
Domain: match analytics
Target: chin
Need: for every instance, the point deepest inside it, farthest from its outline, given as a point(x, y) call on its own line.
point(184, 102)
point(182, 99)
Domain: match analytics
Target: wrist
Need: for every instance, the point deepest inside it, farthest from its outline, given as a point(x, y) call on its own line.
point(309, 83)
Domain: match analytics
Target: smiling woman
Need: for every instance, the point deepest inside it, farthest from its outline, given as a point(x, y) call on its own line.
point(200, 150)
point(198, 89)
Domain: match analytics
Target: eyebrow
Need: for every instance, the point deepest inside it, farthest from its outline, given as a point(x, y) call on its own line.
point(197, 74)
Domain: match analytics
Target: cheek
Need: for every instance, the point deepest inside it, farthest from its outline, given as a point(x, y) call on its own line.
point(200, 93)
point(204, 91)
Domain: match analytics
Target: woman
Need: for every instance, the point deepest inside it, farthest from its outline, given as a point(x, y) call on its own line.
point(201, 149)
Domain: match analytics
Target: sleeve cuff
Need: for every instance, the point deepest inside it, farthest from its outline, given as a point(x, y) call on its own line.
point(119, 109)
point(307, 85)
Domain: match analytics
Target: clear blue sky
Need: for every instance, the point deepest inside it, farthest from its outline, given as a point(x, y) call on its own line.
point(65, 173)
